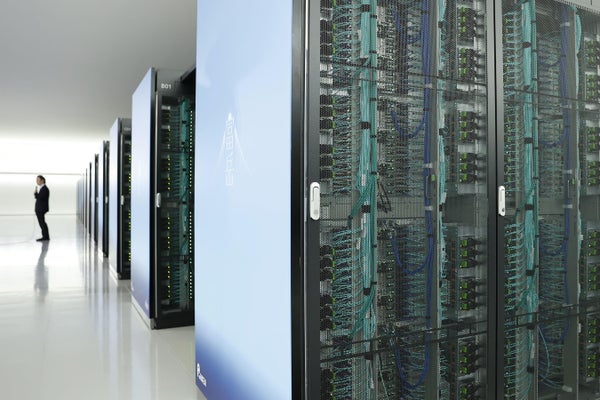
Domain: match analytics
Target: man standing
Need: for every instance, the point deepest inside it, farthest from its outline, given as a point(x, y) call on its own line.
point(41, 206)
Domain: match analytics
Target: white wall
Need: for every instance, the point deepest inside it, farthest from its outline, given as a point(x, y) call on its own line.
point(45, 156)
point(17, 193)
point(61, 161)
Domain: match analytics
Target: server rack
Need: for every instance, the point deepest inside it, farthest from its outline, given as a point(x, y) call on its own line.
point(162, 137)
point(95, 198)
point(243, 294)
point(89, 199)
point(404, 183)
point(445, 219)
point(120, 198)
point(549, 163)
point(84, 199)
point(103, 192)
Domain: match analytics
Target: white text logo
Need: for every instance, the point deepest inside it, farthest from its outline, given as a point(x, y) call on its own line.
point(201, 377)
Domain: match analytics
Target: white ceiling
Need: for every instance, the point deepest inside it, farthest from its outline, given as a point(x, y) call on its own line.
point(68, 67)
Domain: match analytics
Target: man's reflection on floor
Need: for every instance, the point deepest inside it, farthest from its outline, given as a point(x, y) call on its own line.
point(41, 274)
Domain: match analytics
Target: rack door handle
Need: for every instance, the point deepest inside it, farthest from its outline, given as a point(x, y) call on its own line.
point(315, 201)
point(501, 201)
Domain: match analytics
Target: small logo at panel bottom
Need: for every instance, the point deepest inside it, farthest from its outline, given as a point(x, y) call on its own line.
point(201, 377)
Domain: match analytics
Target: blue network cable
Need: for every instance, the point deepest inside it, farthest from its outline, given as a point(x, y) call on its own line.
point(427, 181)
point(425, 69)
point(563, 90)
point(563, 94)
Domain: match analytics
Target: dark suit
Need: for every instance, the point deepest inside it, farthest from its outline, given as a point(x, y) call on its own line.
point(41, 208)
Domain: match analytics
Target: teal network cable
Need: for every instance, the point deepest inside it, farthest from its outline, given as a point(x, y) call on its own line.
point(521, 174)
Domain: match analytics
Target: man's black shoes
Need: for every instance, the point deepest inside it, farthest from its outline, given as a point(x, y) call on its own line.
point(42, 239)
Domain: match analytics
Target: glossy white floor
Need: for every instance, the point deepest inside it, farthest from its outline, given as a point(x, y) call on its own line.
point(68, 329)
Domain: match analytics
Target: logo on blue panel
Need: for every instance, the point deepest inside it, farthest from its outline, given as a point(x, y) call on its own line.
point(231, 151)
point(201, 377)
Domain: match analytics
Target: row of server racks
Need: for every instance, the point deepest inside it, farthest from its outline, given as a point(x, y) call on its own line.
point(162, 193)
point(136, 198)
point(422, 178)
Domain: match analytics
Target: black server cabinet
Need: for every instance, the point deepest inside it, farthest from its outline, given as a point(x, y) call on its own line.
point(84, 200)
point(162, 138)
point(549, 118)
point(120, 198)
point(458, 173)
point(89, 199)
point(95, 198)
point(398, 143)
point(103, 192)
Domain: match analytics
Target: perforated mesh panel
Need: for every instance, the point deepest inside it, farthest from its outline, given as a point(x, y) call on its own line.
point(403, 214)
point(551, 116)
